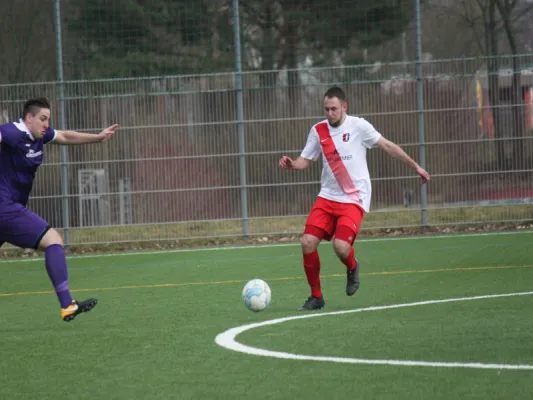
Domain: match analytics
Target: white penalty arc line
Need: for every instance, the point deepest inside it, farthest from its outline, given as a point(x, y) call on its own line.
point(227, 339)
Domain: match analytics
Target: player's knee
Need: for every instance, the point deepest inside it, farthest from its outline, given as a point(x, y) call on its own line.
point(50, 238)
point(309, 243)
point(342, 248)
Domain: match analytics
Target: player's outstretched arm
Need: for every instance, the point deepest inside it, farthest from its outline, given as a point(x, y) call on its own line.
point(299, 163)
point(396, 151)
point(73, 137)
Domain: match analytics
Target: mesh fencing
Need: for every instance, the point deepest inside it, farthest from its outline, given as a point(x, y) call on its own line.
point(183, 163)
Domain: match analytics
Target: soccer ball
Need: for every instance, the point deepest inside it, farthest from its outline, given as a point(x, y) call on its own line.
point(256, 295)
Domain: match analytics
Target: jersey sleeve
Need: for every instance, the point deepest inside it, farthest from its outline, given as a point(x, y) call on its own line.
point(312, 148)
point(370, 135)
point(49, 135)
point(9, 138)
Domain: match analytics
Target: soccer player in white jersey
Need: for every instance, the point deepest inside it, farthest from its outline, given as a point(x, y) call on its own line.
point(344, 197)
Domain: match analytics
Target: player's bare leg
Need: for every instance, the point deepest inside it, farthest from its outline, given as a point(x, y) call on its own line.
point(346, 254)
point(312, 271)
point(56, 266)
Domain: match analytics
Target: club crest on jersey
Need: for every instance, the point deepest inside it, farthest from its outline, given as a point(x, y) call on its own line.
point(345, 137)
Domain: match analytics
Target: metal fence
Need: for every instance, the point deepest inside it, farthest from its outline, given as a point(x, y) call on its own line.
point(196, 155)
point(181, 168)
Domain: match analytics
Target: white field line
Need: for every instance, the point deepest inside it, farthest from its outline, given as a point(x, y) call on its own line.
point(227, 339)
point(195, 250)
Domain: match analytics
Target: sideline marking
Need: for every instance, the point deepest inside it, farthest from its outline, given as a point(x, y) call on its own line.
point(288, 278)
point(227, 340)
point(258, 246)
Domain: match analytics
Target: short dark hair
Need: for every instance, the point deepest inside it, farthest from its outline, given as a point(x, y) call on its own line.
point(337, 92)
point(33, 106)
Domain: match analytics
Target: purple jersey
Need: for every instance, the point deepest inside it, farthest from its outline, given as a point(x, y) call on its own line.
point(20, 156)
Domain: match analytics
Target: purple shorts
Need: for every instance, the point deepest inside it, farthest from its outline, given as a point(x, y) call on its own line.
point(21, 227)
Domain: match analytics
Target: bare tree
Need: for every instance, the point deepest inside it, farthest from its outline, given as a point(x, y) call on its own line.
point(492, 21)
point(262, 31)
point(482, 18)
point(27, 41)
point(510, 11)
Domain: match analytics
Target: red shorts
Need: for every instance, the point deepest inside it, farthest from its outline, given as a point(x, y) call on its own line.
point(330, 218)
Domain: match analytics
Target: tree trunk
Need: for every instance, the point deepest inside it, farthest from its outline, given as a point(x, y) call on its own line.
point(516, 98)
point(268, 50)
point(518, 115)
point(493, 70)
point(292, 60)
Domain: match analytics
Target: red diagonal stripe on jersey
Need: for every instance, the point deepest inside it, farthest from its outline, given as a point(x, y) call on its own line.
point(335, 162)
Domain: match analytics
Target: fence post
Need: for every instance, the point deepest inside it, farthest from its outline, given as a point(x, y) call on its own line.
point(61, 125)
point(420, 111)
point(240, 117)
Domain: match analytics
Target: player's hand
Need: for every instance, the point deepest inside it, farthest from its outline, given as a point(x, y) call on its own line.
point(107, 133)
point(286, 162)
point(423, 174)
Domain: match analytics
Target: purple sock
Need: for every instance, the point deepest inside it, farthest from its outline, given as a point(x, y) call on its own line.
point(56, 266)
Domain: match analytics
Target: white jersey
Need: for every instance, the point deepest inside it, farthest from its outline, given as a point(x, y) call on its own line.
point(345, 176)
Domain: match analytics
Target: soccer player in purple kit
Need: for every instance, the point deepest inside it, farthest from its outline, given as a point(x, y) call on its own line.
point(21, 154)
